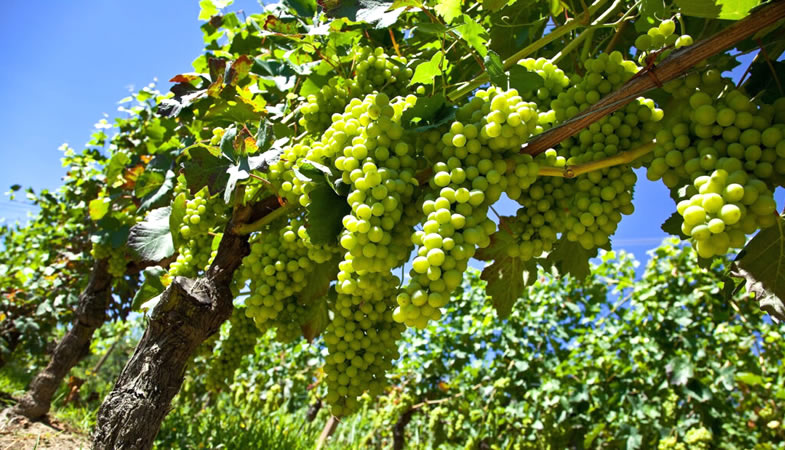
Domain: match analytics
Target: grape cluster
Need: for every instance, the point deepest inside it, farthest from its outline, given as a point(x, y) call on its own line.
point(239, 341)
point(720, 154)
point(470, 173)
point(278, 266)
point(203, 216)
point(588, 208)
point(374, 71)
point(555, 81)
point(660, 37)
point(117, 259)
point(368, 145)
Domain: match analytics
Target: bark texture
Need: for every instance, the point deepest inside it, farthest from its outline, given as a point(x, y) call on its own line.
point(187, 314)
point(90, 314)
point(399, 430)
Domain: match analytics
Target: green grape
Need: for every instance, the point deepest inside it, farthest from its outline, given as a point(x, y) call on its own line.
point(374, 71)
point(202, 220)
point(239, 341)
point(728, 145)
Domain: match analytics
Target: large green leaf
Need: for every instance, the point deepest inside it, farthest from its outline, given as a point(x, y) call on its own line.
point(152, 286)
point(762, 265)
point(570, 258)
point(374, 12)
point(205, 167)
point(717, 9)
point(151, 240)
point(325, 213)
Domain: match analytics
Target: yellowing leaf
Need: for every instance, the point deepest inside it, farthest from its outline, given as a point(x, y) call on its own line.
point(99, 207)
point(449, 9)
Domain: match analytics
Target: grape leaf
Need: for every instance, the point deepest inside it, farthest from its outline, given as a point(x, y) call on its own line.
point(160, 196)
point(717, 9)
point(205, 168)
point(427, 71)
point(570, 258)
point(424, 109)
point(763, 83)
point(673, 226)
point(319, 280)
point(176, 218)
point(495, 68)
point(523, 80)
point(151, 240)
point(227, 143)
point(303, 8)
point(474, 34)
point(762, 265)
point(325, 213)
point(99, 207)
point(449, 9)
point(680, 370)
point(316, 322)
point(506, 276)
point(374, 12)
point(152, 286)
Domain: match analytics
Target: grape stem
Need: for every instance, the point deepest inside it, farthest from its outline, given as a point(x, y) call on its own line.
point(615, 160)
point(248, 228)
point(586, 33)
point(676, 65)
point(556, 33)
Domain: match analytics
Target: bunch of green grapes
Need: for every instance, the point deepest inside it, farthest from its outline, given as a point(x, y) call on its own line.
point(720, 154)
point(203, 218)
point(117, 259)
point(367, 144)
point(555, 81)
point(278, 267)
point(658, 38)
point(374, 71)
point(469, 174)
point(699, 438)
point(588, 208)
point(239, 341)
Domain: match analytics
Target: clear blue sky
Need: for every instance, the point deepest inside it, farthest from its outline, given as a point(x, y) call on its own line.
point(67, 63)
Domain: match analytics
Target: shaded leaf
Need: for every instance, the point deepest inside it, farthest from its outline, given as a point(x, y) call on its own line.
point(176, 219)
point(151, 240)
point(571, 258)
point(423, 111)
point(152, 286)
point(680, 370)
point(205, 168)
point(672, 225)
point(523, 80)
point(761, 263)
point(374, 12)
point(495, 68)
point(325, 214)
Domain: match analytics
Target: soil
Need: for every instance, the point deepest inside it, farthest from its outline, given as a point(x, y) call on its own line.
point(18, 433)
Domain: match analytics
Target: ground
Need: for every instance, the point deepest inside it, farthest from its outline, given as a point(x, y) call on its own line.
point(19, 433)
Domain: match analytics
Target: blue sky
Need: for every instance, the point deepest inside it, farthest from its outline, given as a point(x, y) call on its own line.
point(68, 63)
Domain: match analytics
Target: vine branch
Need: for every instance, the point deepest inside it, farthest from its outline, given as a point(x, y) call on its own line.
point(676, 65)
point(615, 160)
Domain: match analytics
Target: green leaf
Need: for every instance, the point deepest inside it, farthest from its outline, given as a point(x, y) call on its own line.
point(227, 143)
point(316, 322)
point(672, 226)
point(570, 258)
point(523, 80)
point(262, 162)
point(750, 379)
point(680, 370)
point(474, 34)
point(493, 5)
point(423, 111)
point(761, 263)
point(303, 8)
point(763, 83)
point(205, 168)
point(426, 72)
point(717, 9)
point(160, 196)
point(374, 12)
point(207, 9)
point(148, 181)
point(505, 276)
point(495, 68)
point(152, 286)
point(151, 240)
point(325, 213)
point(448, 9)
point(176, 219)
point(99, 207)
point(279, 72)
point(319, 281)
point(116, 164)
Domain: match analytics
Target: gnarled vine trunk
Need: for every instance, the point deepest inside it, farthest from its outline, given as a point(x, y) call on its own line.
point(188, 312)
point(90, 314)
